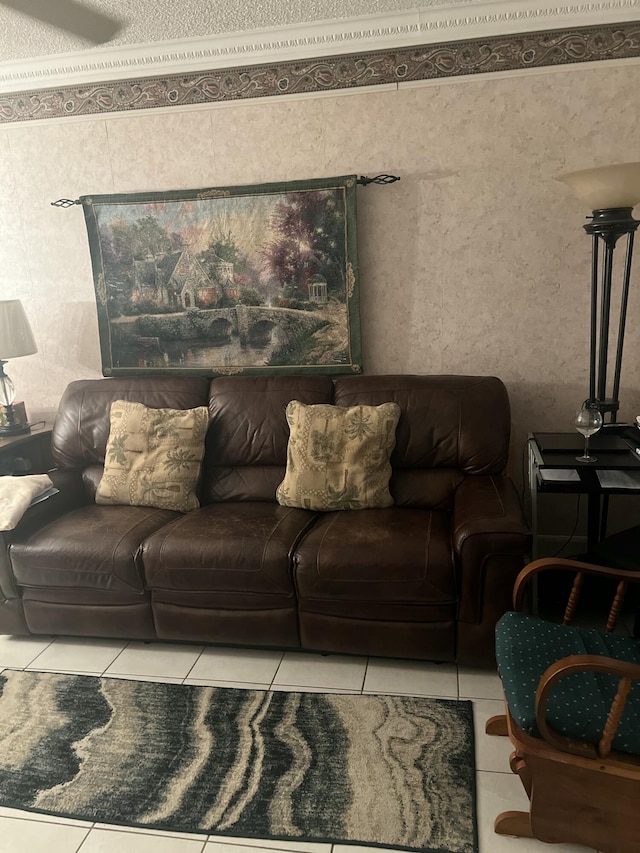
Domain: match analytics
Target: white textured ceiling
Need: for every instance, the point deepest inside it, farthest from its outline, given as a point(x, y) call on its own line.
point(150, 21)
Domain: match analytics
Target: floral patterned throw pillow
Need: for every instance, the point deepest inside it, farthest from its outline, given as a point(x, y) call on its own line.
point(153, 456)
point(338, 458)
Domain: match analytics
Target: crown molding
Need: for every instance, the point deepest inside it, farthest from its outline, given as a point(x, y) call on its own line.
point(303, 42)
point(411, 65)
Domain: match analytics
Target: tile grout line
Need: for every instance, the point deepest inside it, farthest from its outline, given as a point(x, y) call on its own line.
point(87, 834)
point(277, 671)
point(42, 651)
point(126, 646)
point(202, 650)
point(364, 677)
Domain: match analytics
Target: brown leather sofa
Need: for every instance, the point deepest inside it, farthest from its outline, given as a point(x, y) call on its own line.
point(425, 579)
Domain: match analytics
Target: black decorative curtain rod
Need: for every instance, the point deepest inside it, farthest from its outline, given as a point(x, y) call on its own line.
point(379, 179)
point(362, 180)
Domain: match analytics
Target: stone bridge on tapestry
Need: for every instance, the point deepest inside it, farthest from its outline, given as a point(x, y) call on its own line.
point(253, 324)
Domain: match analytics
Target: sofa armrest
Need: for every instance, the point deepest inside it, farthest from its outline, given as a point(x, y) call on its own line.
point(485, 505)
point(491, 539)
point(71, 495)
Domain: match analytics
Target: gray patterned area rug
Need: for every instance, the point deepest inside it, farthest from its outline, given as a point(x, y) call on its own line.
point(391, 771)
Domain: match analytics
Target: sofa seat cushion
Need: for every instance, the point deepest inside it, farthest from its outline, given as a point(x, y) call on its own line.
point(231, 553)
point(381, 564)
point(93, 547)
point(579, 703)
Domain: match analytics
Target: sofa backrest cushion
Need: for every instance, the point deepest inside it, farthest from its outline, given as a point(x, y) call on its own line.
point(450, 427)
point(81, 427)
point(246, 452)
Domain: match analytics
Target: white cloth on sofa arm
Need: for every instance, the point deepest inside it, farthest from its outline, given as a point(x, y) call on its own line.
point(17, 493)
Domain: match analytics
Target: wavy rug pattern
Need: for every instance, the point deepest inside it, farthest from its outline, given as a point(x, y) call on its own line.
point(393, 771)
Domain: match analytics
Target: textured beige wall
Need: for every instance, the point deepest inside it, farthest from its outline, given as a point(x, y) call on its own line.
point(475, 262)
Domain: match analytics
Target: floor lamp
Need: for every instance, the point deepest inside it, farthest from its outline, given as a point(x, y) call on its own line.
point(16, 339)
point(611, 192)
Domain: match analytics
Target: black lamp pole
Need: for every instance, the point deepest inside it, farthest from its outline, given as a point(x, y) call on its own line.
point(608, 226)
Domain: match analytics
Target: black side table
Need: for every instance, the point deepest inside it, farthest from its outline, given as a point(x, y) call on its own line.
point(553, 468)
point(27, 454)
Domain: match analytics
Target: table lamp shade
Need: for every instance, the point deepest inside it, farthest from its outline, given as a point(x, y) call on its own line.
point(606, 187)
point(16, 337)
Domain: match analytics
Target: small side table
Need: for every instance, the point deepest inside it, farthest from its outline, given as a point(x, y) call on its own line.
point(29, 453)
point(553, 467)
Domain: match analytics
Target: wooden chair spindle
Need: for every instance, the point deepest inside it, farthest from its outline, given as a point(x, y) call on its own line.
point(616, 605)
point(574, 597)
point(614, 717)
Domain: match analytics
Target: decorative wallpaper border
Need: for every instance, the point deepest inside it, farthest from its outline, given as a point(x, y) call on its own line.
point(427, 62)
point(389, 30)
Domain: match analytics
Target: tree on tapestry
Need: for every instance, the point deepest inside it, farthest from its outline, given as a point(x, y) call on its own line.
point(234, 272)
point(308, 255)
point(132, 252)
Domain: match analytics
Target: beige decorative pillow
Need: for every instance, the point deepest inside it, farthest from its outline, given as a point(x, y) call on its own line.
point(153, 456)
point(338, 458)
point(17, 494)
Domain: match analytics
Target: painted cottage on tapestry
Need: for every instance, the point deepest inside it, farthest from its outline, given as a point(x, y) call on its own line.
point(180, 281)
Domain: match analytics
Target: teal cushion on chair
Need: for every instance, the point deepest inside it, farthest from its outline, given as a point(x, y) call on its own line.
point(579, 704)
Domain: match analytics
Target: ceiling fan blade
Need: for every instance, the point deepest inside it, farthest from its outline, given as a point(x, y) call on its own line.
point(69, 15)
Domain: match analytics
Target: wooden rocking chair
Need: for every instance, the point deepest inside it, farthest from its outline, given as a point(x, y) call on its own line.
point(572, 699)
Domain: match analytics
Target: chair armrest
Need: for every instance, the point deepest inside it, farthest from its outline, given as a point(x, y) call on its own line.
point(488, 522)
point(71, 494)
point(490, 540)
point(559, 563)
point(487, 505)
point(626, 672)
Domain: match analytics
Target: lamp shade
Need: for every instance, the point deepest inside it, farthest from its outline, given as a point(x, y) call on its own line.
point(16, 337)
point(607, 186)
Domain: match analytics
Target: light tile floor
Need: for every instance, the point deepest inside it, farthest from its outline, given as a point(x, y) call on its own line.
point(497, 788)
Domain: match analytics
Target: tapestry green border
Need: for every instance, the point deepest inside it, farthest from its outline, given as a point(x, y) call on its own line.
point(249, 279)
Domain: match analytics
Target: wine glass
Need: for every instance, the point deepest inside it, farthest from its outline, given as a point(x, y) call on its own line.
point(587, 421)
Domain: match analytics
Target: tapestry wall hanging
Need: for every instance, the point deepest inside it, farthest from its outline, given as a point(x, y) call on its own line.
point(248, 279)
